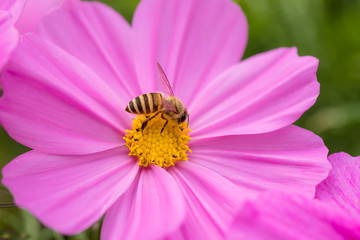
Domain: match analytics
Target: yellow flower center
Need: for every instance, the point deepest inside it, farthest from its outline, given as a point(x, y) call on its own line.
point(150, 145)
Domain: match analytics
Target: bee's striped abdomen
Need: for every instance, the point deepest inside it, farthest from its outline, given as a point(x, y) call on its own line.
point(144, 104)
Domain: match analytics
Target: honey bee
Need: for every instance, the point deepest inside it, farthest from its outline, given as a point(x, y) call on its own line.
point(168, 106)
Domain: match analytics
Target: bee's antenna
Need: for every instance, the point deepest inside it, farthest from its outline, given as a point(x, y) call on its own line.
point(188, 120)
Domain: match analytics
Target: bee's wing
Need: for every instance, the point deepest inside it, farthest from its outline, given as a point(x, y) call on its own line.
point(166, 87)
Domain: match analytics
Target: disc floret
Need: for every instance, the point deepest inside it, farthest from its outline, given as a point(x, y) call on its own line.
point(151, 146)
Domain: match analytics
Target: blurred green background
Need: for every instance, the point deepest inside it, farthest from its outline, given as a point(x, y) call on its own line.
point(326, 29)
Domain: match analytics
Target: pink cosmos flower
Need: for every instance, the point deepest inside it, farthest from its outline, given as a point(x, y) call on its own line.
point(277, 216)
point(335, 214)
point(65, 93)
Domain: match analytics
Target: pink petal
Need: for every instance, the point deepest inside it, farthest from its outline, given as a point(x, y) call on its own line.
point(261, 94)
point(192, 40)
point(210, 199)
point(151, 208)
point(34, 11)
point(69, 193)
point(281, 217)
point(9, 37)
point(15, 7)
point(342, 187)
point(55, 104)
point(101, 39)
point(291, 159)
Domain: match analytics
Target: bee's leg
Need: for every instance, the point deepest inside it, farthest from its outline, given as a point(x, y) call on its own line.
point(162, 116)
point(144, 124)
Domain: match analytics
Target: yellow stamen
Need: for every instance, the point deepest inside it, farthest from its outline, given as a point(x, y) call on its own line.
point(150, 145)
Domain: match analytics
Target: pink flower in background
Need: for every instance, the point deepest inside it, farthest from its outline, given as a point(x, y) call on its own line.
point(279, 216)
point(20, 16)
point(9, 36)
point(342, 186)
point(35, 10)
point(14, 7)
point(65, 93)
point(335, 214)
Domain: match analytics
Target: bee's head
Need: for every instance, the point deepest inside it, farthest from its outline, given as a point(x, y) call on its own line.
point(183, 117)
